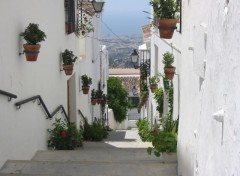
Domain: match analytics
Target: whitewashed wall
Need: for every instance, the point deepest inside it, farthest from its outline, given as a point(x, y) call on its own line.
point(24, 131)
point(210, 33)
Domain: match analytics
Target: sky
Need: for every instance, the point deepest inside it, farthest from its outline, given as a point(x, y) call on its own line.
point(125, 17)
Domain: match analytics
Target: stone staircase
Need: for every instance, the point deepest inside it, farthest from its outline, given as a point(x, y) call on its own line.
point(95, 159)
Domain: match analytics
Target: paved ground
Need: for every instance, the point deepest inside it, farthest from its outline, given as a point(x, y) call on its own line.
point(122, 154)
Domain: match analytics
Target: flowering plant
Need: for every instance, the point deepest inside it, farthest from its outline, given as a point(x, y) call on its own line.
point(64, 136)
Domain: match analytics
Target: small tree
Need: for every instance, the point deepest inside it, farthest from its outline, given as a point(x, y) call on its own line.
point(119, 97)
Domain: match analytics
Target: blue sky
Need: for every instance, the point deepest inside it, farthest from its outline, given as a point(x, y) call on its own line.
point(125, 17)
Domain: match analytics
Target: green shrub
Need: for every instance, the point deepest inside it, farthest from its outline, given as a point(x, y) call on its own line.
point(94, 132)
point(64, 136)
point(144, 129)
point(163, 141)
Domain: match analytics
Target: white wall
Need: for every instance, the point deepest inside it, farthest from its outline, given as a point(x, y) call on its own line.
point(24, 131)
point(205, 147)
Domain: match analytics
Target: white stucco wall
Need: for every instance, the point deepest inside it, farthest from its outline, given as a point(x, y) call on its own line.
point(24, 131)
point(210, 32)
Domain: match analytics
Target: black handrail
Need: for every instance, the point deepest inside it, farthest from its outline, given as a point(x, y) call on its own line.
point(9, 95)
point(41, 102)
point(80, 112)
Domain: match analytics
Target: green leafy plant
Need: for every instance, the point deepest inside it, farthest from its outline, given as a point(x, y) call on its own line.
point(68, 57)
point(84, 26)
point(99, 93)
point(159, 97)
point(64, 136)
point(119, 98)
point(145, 69)
point(86, 81)
point(33, 34)
point(168, 59)
point(154, 79)
point(165, 8)
point(144, 129)
point(162, 141)
point(94, 132)
point(93, 94)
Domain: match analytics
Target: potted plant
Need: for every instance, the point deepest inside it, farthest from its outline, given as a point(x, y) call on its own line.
point(153, 83)
point(93, 97)
point(144, 70)
point(33, 35)
point(99, 95)
point(166, 11)
point(144, 96)
point(86, 82)
point(68, 61)
point(169, 70)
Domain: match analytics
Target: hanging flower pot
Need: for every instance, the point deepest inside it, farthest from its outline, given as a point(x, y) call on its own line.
point(33, 35)
point(166, 27)
point(31, 52)
point(68, 69)
point(153, 87)
point(85, 89)
point(86, 82)
point(93, 101)
point(169, 72)
point(68, 59)
point(169, 69)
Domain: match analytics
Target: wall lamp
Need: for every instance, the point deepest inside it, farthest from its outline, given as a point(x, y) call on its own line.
point(134, 59)
point(98, 6)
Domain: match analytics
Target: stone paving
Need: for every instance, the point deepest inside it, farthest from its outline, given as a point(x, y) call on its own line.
point(122, 154)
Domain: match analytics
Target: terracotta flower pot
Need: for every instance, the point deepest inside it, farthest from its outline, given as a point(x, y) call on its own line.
point(99, 100)
point(31, 52)
point(85, 89)
point(94, 101)
point(166, 27)
point(169, 72)
point(153, 87)
point(68, 69)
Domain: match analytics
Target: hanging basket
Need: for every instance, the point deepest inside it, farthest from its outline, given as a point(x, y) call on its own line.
point(68, 69)
point(85, 89)
point(166, 27)
point(169, 72)
point(153, 87)
point(94, 101)
point(31, 52)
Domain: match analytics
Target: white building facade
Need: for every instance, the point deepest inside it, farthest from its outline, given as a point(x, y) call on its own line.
point(206, 86)
point(23, 129)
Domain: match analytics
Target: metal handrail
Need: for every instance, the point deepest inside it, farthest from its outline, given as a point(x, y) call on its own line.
point(80, 112)
point(41, 102)
point(9, 95)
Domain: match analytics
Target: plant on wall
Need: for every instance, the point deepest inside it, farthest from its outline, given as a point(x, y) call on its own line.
point(144, 69)
point(68, 59)
point(119, 97)
point(153, 83)
point(169, 69)
point(166, 11)
point(159, 97)
point(86, 82)
point(33, 36)
point(93, 97)
point(84, 25)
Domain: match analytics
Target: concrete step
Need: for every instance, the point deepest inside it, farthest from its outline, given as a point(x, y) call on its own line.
point(105, 155)
point(82, 168)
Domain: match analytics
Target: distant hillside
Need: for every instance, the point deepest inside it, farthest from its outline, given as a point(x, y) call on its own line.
point(120, 49)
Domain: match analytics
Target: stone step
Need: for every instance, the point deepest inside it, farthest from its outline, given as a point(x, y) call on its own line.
point(105, 155)
point(82, 168)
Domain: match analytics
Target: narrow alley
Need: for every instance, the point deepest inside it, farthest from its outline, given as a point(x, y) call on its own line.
point(121, 154)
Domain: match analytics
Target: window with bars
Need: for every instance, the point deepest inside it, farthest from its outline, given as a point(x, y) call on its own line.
point(70, 16)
